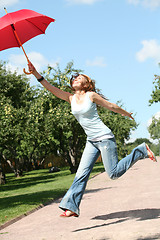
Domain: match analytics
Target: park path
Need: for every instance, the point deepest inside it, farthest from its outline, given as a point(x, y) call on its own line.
point(123, 209)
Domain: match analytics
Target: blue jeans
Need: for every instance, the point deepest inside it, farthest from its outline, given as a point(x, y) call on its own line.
point(108, 150)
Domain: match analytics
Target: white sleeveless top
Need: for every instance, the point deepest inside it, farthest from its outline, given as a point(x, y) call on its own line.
point(87, 116)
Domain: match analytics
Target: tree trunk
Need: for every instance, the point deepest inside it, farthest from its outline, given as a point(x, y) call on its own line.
point(17, 171)
point(2, 175)
point(2, 178)
point(73, 162)
point(11, 166)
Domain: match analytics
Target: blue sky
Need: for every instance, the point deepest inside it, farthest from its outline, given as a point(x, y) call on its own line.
point(117, 43)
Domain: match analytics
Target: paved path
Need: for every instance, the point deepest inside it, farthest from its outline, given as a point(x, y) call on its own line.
point(123, 209)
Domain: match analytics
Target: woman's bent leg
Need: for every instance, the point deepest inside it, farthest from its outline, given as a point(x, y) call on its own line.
point(114, 168)
point(72, 198)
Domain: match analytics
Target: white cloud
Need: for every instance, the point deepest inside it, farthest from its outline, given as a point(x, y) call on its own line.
point(150, 49)
point(89, 2)
point(132, 138)
point(7, 3)
point(156, 116)
point(152, 4)
point(96, 62)
point(18, 62)
point(134, 2)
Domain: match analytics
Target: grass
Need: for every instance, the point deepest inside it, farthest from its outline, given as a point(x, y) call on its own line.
point(24, 194)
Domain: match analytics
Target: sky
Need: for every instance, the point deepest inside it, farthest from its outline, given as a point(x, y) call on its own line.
point(115, 42)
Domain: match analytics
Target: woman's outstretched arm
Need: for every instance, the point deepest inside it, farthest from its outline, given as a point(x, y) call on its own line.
point(56, 91)
point(111, 106)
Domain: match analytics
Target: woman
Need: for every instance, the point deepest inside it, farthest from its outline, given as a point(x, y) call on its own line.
point(100, 139)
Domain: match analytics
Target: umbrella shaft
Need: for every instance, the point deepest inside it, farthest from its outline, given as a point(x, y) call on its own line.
point(19, 42)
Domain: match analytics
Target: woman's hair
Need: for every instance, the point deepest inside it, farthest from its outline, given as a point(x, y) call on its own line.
point(88, 86)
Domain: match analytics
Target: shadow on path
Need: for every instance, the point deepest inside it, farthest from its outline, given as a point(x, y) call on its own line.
point(97, 190)
point(139, 215)
point(157, 236)
point(97, 226)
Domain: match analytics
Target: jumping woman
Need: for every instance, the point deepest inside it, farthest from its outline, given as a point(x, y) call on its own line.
point(100, 139)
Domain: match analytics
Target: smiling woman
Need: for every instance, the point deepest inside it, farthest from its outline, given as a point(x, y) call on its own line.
point(83, 81)
point(100, 139)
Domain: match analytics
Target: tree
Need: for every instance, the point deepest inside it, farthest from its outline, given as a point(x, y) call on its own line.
point(2, 174)
point(37, 142)
point(154, 130)
point(156, 91)
point(15, 97)
point(154, 127)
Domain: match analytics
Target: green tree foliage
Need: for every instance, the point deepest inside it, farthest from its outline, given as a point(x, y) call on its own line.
point(155, 96)
point(154, 130)
point(15, 98)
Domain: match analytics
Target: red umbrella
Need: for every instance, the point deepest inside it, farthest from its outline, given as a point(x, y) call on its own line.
point(18, 27)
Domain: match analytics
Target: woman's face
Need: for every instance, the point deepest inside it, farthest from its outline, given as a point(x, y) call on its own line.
point(79, 82)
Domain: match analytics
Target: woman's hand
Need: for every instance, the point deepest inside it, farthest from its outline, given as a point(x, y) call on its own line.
point(31, 67)
point(33, 70)
point(128, 115)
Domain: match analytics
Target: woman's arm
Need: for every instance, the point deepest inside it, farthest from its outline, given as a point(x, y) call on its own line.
point(111, 106)
point(56, 91)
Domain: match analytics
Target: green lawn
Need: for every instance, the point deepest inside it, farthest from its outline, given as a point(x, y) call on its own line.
point(21, 195)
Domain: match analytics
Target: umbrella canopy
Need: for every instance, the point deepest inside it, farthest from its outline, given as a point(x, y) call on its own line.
point(25, 23)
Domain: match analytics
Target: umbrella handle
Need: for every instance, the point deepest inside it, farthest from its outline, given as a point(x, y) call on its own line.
point(28, 73)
